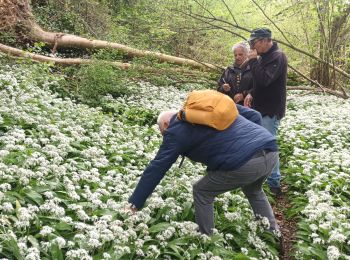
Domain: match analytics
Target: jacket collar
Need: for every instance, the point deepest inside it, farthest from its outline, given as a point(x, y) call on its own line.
point(273, 48)
point(236, 68)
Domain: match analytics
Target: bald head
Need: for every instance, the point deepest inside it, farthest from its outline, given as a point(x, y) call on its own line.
point(164, 119)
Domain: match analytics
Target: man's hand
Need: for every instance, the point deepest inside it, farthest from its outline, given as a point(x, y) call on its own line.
point(252, 54)
point(238, 98)
point(130, 209)
point(248, 101)
point(226, 87)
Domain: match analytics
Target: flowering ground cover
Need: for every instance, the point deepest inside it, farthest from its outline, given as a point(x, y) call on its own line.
point(67, 170)
point(315, 145)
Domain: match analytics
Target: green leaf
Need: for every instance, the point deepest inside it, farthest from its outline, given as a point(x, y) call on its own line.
point(174, 248)
point(62, 226)
point(320, 253)
point(187, 210)
point(226, 254)
point(11, 246)
point(13, 196)
point(216, 238)
point(33, 196)
point(56, 252)
point(159, 227)
point(34, 241)
point(104, 212)
point(241, 256)
point(41, 189)
point(195, 252)
point(177, 255)
point(180, 241)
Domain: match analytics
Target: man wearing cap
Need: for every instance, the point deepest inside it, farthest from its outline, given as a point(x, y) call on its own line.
point(268, 95)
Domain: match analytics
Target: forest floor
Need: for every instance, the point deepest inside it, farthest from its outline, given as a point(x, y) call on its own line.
point(288, 226)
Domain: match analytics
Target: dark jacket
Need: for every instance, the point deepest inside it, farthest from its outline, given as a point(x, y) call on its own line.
point(240, 81)
point(219, 150)
point(270, 79)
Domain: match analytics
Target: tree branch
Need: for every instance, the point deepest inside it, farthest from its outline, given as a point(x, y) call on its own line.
point(229, 10)
point(206, 18)
point(268, 18)
point(322, 88)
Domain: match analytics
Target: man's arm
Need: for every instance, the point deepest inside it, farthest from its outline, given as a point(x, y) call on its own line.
point(250, 114)
point(221, 82)
point(223, 85)
point(155, 171)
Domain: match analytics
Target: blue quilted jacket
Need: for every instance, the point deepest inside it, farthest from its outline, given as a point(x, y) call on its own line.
point(219, 150)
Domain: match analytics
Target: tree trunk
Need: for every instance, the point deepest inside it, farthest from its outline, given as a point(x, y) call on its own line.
point(67, 61)
point(67, 40)
point(77, 61)
point(332, 29)
point(17, 13)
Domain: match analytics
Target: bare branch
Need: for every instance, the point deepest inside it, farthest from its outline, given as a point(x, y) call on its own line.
point(190, 58)
point(268, 18)
point(206, 18)
point(229, 10)
point(326, 90)
point(322, 88)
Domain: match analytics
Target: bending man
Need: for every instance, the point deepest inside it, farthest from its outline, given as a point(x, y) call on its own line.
point(241, 156)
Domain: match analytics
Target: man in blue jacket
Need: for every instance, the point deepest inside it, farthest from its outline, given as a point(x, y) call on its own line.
point(241, 156)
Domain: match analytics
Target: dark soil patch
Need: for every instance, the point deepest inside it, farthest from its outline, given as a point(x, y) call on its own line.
point(288, 226)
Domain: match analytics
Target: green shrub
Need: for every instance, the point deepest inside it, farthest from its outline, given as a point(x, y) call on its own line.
point(99, 79)
point(8, 37)
point(294, 79)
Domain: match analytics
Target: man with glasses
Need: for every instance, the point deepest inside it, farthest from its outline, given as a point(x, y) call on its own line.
point(268, 65)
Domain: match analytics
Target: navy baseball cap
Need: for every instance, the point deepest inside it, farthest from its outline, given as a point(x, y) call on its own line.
point(260, 33)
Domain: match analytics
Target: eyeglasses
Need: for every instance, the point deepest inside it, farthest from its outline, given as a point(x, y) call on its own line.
point(253, 42)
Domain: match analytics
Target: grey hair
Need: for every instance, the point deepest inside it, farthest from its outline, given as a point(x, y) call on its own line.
point(242, 45)
point(165, 115)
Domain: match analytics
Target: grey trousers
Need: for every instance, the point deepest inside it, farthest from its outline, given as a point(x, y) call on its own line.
point(250, 177)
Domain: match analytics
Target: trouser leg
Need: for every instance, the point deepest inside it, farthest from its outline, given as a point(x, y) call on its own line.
point(252, 173)
point(271, 124)
point(256, 195)
point(203, 206)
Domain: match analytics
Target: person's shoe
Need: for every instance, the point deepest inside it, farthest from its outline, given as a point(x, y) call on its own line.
point(280, 246)
point(276, 191)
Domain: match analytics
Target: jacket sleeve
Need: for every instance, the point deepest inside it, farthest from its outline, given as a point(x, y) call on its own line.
point(247, 83)
point(155, 171)
point(221, 82)
point(250, 114)
point(264, 75)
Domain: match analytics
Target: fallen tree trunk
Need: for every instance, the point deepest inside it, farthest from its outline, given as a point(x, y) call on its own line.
point(14, 52)
point(67, 40)
point(66, 61)
point(17, 13)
